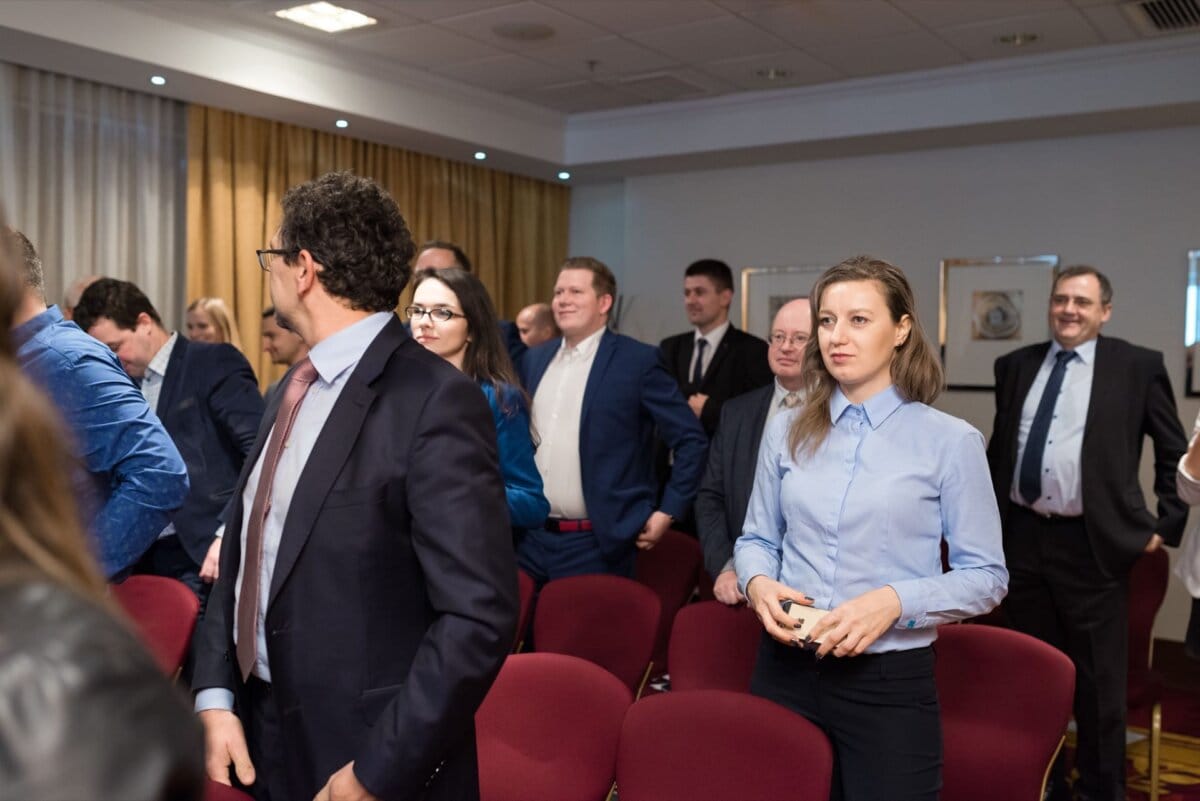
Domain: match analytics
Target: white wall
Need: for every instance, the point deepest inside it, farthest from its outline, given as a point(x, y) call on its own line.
point(1128, 203)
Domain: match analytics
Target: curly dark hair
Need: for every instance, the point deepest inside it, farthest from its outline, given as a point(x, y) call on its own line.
point(119, 301)
point(354, 230)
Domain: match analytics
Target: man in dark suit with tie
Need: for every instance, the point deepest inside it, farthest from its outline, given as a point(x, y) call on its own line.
point(597, 399)
point(1071, 415)
point(207, 398)
point(368, 591)
point(733, 453)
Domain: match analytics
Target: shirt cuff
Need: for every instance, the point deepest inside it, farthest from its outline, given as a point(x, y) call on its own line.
point(214, 698)
point(728, 566)
point(912, 616)
point(220, 532)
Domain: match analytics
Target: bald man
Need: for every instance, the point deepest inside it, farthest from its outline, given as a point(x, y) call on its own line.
point(535, 323)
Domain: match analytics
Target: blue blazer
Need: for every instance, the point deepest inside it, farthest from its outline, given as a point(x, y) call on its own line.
point(628, 397)
point(210, 406)
point(527, 506)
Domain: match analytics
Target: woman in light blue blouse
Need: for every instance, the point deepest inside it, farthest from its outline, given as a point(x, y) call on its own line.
point(452, 315)
point(853, 495)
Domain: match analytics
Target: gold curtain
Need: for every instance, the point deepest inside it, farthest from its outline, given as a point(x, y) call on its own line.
point(513, 228)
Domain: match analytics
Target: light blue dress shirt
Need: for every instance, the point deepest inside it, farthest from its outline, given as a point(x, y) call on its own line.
point(1062, 487)
point(870, 509)
point(335, 359)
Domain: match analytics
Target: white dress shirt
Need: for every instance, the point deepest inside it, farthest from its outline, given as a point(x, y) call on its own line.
point(557, 413)
point(713, 338)
point(1062, 491)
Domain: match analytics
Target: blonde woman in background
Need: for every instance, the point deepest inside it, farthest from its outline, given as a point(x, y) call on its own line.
point(209, 320)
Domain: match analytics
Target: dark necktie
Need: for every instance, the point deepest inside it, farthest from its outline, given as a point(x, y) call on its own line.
point(1030, 478)
point(698, 369)
point(247, 608)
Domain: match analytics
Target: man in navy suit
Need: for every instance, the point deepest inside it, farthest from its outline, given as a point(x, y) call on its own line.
point(208, 400)
point(733, 455)
point(368, 591)
point(598, 398)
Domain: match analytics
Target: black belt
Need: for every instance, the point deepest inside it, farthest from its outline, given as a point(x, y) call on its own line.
point(565, 524)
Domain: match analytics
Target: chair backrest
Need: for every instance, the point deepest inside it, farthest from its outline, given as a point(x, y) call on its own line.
point(164, 613)
point(526, 588)
point(548, 730)
point(215, 791)
point(671, 568)
point(1005, 701)
point(1147, 588)
point(716, 745)
point(714, 647)
point(609, 620)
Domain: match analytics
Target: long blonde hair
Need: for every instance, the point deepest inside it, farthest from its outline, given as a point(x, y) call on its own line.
point(221, 317)
point(916, 369)
point(40, 533)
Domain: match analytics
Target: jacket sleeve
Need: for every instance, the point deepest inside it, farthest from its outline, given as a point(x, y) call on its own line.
point(711, 526)
point(527, 505)
point(234, 401)
point(682, 433)
point(1161, 424)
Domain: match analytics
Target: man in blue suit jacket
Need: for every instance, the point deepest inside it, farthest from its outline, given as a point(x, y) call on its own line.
point(207, 398)
point(598, 399)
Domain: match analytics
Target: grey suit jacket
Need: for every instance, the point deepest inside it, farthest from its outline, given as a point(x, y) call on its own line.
point(728, 480)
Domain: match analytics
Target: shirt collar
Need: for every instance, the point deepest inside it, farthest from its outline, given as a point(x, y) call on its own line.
point(876, 408)
point(339, 352)
point(585, 348)
point(35, 325)
point(1086, 352)
point(158, 365)
point(713, 337)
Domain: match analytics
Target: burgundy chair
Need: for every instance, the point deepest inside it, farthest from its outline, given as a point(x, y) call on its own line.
point(526, 588)
point(716, 745)
point(671, 568)
point(215, 791)
point(164, 612)
point(1147, 589)
point(1005, 701)
point(548, 730)
point(609, 620)
point(714, 647)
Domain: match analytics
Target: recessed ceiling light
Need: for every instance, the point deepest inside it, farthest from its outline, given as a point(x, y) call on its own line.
point(326, 17)
point(1017, 39)
point(158, 80)
point(564, 176)
point(480, 155)
point(773, 74)
point(342, 124)
point(523, 31)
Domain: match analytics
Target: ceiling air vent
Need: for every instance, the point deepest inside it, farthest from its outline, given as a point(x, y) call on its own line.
point(1158, 17)
point(662, 87)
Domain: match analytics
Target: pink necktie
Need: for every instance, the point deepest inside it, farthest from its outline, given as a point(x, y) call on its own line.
point(247, 612)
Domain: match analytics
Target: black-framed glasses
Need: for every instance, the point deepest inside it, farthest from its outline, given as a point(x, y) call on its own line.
point(264, 255)
point(439, 313)
point(778, 339)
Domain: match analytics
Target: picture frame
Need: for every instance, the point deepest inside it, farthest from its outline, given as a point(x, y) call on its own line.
point(1191, 334)
point(765, 289)
point(989, 307)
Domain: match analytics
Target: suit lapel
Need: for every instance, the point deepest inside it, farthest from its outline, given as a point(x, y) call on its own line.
point(604, 354)
point(1027, 371)
point(759, 421)
point(176, 368)
point(718, 356)
point(538, 370)
point(683, 359)
point(332, 449)
point(1097, 398)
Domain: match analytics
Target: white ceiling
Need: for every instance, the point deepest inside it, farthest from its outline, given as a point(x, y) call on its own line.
point(606, 54)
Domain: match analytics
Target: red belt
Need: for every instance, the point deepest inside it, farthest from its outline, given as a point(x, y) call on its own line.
point(563, 524)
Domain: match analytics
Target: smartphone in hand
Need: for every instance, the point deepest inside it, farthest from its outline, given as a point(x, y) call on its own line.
point(806, 617)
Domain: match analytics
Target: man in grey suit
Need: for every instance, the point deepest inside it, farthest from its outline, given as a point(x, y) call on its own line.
point(732, 454)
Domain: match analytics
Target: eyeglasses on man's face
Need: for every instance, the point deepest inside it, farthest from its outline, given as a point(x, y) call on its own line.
point(267, 255)
point(438, 313)
point(779, 339)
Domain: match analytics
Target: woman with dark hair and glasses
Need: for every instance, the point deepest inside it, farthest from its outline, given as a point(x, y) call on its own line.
point(452, 315)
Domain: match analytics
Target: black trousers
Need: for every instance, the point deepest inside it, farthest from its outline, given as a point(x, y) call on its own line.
point(264, 739)
point(880, 711)
point(1057, 593)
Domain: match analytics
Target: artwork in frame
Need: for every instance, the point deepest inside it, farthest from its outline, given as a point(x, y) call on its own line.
point(989, 307)
point(765, 289)
point(1191, 335)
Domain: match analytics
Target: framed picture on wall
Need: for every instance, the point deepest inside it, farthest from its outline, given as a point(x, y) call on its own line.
point(989, 307)
point(765, 289)
point(1191, 334)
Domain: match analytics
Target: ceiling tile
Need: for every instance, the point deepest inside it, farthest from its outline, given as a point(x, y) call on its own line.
point(612, 55)
point(504, 73)
point(1056, 30)
point(677, 84)
point(579, 96)
point(623, 16)
point(709, 40)
point(423, 46)
point(748, 6)
point(479, 25)
point(1111, 23)
point(940, 14)
point(801, 69)
point(824, 22)
point(904, 52)
point(440, 9)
